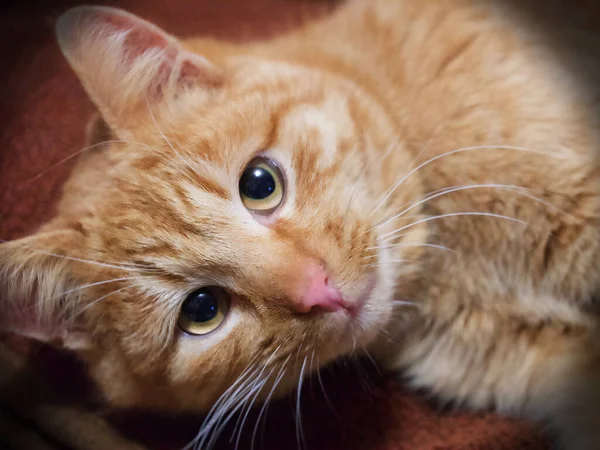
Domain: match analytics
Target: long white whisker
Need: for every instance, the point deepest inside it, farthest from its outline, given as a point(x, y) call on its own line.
point(219, 419)
point(71, 156)
point(405, 303)
point(367, 166)
point(390, 261)
point(258, 380)
point(423, 151)
point(99, 283)
point(85, 261)
point(90, 147)
point(208, 421)
point(263, 410)
point(238, 398)
point(406, 244)
point(517, 189)
point(310, 370)
point(98, 300)
point(327, 400)
point(363, 378)
point(299, 431)
point(391, 234)
point(453, 152)
point(240, 402)
point(262, 384)
point(372, 361)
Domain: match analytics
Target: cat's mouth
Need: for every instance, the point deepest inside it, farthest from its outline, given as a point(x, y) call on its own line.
point(355, 307)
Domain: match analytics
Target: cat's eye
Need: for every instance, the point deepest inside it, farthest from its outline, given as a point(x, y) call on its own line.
point(203, 310)
point(261, 186)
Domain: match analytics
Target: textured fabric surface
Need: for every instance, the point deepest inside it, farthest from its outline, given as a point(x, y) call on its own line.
point(43, 111)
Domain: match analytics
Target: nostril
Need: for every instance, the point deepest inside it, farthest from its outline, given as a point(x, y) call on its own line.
point(319, 309)
point(318, 292)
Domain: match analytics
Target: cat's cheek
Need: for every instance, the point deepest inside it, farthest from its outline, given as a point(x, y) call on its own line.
point(378, 310)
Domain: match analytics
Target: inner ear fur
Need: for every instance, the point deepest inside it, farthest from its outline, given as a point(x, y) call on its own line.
point(36, 289)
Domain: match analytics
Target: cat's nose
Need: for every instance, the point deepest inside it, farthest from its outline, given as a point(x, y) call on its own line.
point(318, 294)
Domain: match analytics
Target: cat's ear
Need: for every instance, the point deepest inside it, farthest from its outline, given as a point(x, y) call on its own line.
point(36, 280)
point(127, 65)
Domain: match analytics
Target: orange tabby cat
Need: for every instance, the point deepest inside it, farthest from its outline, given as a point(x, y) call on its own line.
point(413, 179)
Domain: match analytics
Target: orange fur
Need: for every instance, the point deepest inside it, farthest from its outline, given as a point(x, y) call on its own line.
point(503, 317)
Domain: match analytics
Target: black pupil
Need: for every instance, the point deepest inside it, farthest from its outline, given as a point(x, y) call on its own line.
point(200, 306)
point(257, 183)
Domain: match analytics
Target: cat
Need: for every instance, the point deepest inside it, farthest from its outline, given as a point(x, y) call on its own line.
point(411, 180)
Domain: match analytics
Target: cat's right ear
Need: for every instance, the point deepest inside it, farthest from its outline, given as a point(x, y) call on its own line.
point(128, 66)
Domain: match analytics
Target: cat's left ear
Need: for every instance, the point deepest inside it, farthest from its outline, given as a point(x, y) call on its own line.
point(128, 66)
point(39, 298)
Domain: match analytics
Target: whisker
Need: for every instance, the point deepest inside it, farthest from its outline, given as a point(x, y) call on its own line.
point(407, 244)
point(421, 152)
point(239, 402)
point(391, 261)
point(372, 361)
point(89, 305)
point(232, 404)
point(517, 189)
point(324, 392)
point(99, 283)
point(299, 431)
point(250, 406)
point(405, 303)
point(367, 166)
point(391, 234)
point(364, 380)
point(73, 155)
point(453, 152)
point(131, 268)
point(262, 384)
point(251, 386)
point(310, 371)
point(265, 406)
point(207, 424)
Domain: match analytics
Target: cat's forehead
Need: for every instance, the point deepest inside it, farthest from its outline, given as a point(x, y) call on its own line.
point(292, 128)
point(273, 103)
point(213, 144)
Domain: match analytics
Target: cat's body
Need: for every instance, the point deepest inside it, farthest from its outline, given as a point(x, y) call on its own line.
point(409, 108)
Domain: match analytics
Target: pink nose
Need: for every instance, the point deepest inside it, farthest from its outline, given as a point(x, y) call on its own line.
point(318, 293)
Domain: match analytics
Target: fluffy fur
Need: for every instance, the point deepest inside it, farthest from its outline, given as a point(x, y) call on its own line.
point(432, 149)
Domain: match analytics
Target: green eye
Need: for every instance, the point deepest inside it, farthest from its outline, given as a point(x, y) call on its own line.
point(203, 310)
point(261, 186)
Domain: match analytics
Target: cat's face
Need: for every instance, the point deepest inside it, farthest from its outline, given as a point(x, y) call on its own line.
point(230, 232)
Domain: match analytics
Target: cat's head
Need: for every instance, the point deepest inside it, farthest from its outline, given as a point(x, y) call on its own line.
point(226, 225)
